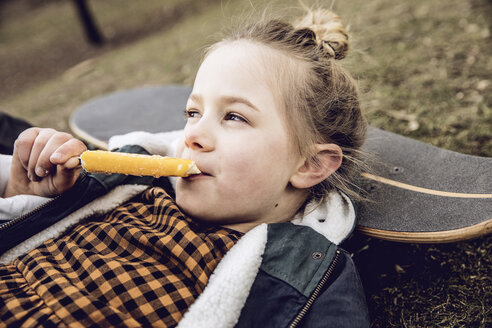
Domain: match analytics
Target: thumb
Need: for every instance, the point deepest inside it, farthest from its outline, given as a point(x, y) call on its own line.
point(66, 174)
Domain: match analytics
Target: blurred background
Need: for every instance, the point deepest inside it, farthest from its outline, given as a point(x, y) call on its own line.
point(424, 69)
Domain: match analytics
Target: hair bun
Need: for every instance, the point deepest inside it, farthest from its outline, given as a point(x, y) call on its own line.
point(330, 32)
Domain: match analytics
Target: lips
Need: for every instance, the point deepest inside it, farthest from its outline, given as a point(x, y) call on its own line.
point(200, 176)
point(203, 170)
point(205, 173)
point(203, 167)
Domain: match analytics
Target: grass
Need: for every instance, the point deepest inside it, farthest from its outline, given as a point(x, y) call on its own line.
point(424, 68)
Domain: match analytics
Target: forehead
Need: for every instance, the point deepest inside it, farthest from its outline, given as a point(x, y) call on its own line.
point(236, 69)
point(243, 65)
point(244, 59)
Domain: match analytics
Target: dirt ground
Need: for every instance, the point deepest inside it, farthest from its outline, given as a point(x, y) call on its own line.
point(57, 53)
point(424, 68)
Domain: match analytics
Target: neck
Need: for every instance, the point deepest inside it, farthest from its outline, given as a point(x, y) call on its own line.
point(283, 211)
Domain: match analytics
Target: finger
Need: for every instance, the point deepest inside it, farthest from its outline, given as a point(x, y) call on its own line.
point(23, 145)
point(44, 164)
point(67, 174)
point(68, 169)
point(65, 178)
point(39, 143)
point(72, 163)
point(64, 154)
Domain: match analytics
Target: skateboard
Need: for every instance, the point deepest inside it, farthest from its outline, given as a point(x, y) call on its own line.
point(151, 109)
point(421, 193)
point(415, 192)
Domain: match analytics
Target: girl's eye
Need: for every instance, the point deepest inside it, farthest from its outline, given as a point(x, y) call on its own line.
point(191, 113)
point(235, 117)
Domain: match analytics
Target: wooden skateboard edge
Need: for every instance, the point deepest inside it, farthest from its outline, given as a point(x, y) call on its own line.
point(409, 187)
point(86, 137)
point(435, 237)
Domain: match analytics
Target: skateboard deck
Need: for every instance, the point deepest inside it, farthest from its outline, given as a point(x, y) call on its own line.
point(416, 192)
point(151, 109)
point(421, 193)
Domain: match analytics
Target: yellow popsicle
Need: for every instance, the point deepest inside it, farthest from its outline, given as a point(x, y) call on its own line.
point(99, 161)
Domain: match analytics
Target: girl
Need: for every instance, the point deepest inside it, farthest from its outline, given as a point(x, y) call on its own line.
point(274, 124)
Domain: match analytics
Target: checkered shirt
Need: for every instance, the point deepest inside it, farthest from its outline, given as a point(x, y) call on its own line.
point(143, 264)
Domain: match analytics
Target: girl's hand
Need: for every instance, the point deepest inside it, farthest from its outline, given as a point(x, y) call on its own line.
point(44, 163)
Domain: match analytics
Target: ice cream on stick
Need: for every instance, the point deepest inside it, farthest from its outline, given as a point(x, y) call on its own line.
point(98, 161)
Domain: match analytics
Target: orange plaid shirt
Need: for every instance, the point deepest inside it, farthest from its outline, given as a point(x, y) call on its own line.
point(143, 264)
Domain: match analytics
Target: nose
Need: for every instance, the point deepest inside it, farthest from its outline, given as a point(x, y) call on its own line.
point(199, 135)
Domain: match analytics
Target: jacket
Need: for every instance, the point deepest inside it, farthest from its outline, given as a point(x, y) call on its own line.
point(277, 275)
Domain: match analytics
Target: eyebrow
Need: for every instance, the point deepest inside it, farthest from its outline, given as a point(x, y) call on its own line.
point(196, 98)
point(226, 100)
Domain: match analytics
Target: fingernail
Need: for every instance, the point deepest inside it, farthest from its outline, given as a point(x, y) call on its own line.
point(72, 162)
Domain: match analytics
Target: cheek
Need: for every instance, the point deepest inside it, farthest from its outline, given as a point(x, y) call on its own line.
point(258, 163)
point(180, 147)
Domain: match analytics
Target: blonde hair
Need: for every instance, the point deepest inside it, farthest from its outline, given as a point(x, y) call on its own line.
point(320, 98)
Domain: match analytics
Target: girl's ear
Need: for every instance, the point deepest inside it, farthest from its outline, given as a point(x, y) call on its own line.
point(312, 171)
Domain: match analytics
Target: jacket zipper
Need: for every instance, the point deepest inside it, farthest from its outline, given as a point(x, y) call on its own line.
point(21, 218)
point(316, 292)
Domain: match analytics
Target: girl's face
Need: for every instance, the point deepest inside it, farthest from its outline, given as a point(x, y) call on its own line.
point(238, 137)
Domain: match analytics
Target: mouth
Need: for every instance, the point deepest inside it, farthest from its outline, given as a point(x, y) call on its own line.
point(197, 176)
point(203, 168)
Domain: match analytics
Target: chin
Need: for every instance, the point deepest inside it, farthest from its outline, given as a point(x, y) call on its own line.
point(194, 211)
point(200, 214)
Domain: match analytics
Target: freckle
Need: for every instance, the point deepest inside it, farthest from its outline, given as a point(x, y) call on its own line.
point(276, 205)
